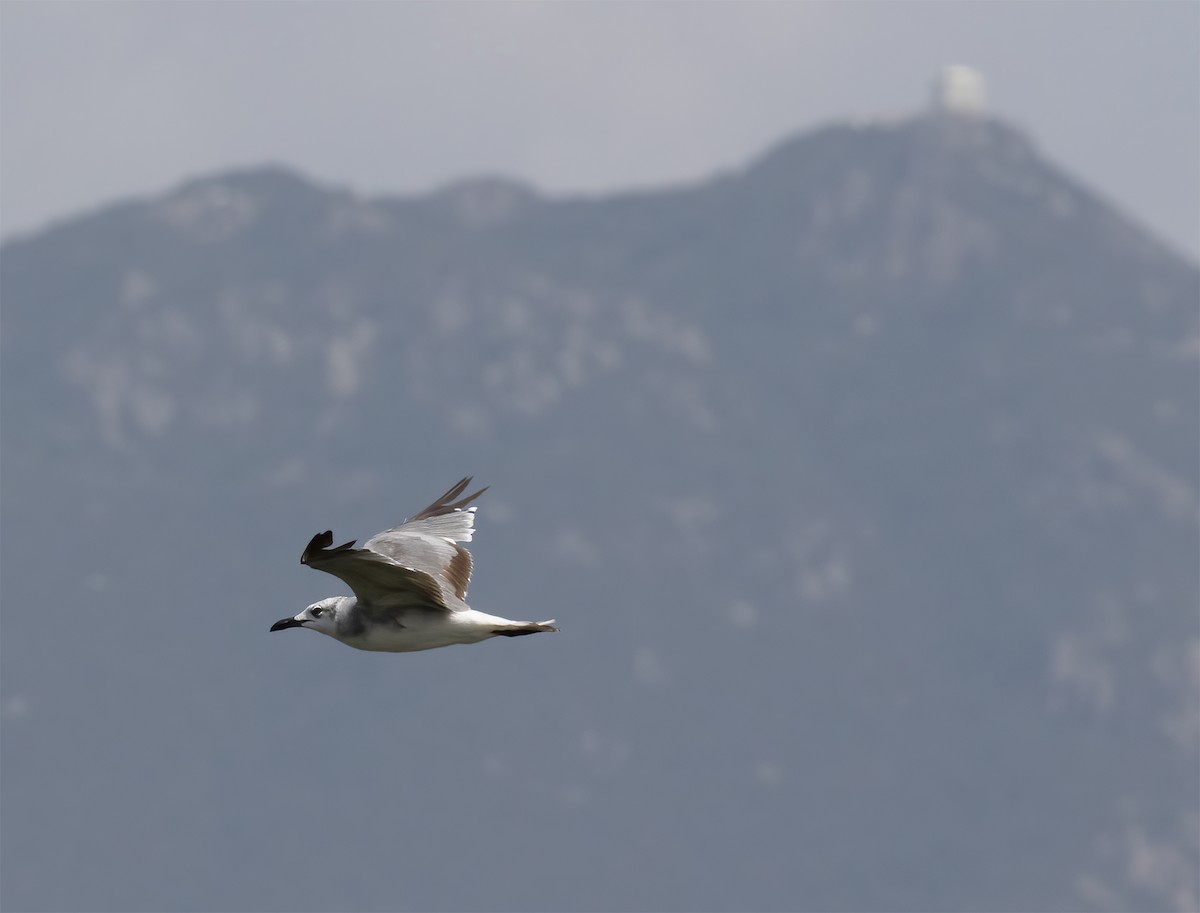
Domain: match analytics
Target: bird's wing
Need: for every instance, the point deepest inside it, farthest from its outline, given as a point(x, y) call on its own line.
point(418, 563)
point(377, 580)
point(428, 543)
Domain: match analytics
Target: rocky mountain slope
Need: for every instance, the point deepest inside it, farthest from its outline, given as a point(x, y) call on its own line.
point(862, 481)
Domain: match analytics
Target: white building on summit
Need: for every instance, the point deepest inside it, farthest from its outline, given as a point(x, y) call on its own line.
point(959, 90)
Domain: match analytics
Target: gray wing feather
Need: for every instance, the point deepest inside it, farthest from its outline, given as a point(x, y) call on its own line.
point(418, 563)
point(378, 581)
point(429, 542)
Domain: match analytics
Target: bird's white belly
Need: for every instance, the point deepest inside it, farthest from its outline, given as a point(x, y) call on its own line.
point(426, 632)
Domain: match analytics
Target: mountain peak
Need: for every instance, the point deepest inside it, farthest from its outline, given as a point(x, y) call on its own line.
point(214, 207)
point(929, 195)
point(938, 133)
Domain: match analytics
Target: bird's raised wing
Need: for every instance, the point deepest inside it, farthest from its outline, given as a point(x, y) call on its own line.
point(429, 540)
point(418, 563)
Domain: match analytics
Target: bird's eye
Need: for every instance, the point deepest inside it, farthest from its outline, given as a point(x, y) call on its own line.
point(317, 613)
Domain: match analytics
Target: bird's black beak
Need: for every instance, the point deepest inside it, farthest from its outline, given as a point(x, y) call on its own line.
point(286, 623)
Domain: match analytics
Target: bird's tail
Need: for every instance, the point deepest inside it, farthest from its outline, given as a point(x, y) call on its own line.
point(528, 627)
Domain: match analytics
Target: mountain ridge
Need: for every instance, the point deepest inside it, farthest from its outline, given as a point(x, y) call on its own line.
point(862, 481)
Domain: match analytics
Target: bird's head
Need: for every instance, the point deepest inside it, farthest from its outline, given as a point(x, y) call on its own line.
point(320, 616)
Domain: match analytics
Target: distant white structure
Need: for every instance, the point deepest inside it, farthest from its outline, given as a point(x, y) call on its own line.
point(959, 90)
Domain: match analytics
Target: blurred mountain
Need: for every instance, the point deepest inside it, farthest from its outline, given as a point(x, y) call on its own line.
point(862, 481)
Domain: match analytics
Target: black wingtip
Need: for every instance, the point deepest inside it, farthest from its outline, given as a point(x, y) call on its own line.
point(318, 547)
point(446, 503)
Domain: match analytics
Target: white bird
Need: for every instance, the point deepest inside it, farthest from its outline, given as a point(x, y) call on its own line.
point(409, 583)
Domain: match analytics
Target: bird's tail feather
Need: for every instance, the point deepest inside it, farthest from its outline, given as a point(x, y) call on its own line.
point(526, 628)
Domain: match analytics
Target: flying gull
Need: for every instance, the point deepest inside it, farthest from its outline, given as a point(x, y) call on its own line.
point(409, 583)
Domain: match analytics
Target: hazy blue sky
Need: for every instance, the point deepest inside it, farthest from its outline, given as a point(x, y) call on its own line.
point(101, 100)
